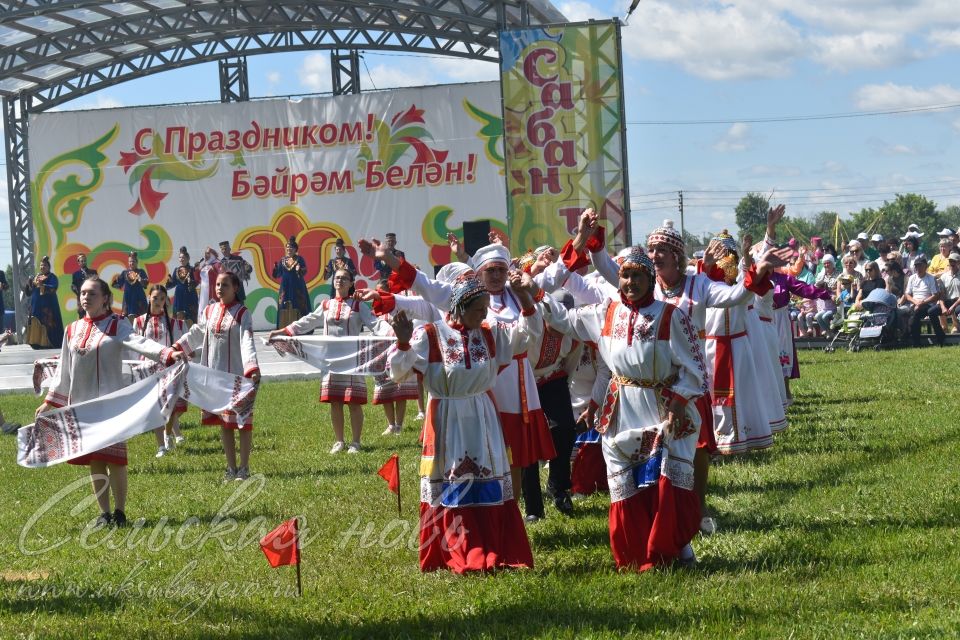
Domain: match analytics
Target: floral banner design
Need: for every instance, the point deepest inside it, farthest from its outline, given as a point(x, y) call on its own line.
point(417, 162)
point(564, 131)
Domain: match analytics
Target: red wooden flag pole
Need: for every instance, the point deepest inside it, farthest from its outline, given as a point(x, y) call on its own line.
point(296, 537)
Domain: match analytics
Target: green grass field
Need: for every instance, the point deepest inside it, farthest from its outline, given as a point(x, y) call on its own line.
point(846, 528)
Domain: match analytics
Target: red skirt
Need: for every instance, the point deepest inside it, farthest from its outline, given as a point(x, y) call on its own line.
point(589, 473)
point(528, 443)
point(337, 387)
point(651, 527)
point(114, 454)
point(226, 420)
point(473, 538)
point(707, 439)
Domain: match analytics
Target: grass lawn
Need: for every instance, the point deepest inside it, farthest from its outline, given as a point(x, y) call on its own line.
point(846, 528)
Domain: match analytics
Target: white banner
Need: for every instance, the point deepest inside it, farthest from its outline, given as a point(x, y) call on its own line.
point(417, 162)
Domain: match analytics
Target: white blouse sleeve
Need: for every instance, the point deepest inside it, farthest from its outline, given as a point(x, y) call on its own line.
point(248, 348)
point(58, 394)
point(401, 362)
point(687, 356)
point(139, 344)
point(416, 308)
point(607, 267)
point(583, 323)
point(313, 320)
point(433, 291)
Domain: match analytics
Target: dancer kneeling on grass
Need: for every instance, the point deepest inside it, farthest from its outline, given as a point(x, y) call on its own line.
point(158, 326)
point(91, 366)
point(469, 520)
point(224, 330)
point(648, 420)
point(341, 315)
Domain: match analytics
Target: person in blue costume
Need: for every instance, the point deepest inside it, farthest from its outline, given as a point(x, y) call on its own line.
point(184, 281)
point(78, 278)
point(293, 301)
point(45, 325)
point(133, 282)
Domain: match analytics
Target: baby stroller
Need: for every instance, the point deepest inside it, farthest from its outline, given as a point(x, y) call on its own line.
point(846, 325)
point(879, 322)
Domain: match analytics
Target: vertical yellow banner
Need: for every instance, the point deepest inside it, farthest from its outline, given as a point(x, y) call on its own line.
point(564, 136)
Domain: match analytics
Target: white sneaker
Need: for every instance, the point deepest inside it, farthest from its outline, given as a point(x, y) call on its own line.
point(708, 526)
point(354, 447)
point(229, 475)
point(687, 557)
point(337, 447)
point(242, 473)
point(170, 443)
point(161, 451)
point(390, 430)
point(178, 439)
point(420, 415)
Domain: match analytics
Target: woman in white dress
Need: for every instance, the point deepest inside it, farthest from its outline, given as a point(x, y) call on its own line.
point(223, 336)
point(469, 520)
point(342, 315)
point(91, 366)
point(648, 419)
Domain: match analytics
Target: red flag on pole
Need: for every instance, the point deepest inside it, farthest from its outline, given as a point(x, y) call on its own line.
point(281, 546)
point(390, 471)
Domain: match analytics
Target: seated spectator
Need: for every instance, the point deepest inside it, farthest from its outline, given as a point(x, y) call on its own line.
point(922, 295)
point(911, 251)
point(895, 275)
point(939, 262)
point(806, 314)
point(873, 280)
point(855, 249)
point(849, 281)
point(828, 280)
point(949, 294)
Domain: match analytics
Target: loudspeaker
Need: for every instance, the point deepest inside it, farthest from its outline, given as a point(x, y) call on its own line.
point(476, 234)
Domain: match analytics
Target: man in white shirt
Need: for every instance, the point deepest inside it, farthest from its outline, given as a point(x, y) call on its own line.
point(949, 294)
point(922, 293)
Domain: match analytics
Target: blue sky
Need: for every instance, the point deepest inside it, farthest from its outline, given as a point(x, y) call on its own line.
point(736, 61)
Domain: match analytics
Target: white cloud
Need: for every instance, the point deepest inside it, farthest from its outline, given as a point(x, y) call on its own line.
point(96, 101)
point(884, 148)
point(850, 16)
point(945, 38)
point(737, 138)
point(579, 11)
point(389, 76)
point(273, 77)
point(868, 49)
point(463, 70)
point(766, 170)
point(314, 72)
point(718, 42)
point(881, 97)
point(956, 125)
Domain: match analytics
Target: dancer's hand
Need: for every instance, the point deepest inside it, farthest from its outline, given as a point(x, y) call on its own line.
point(402, 328)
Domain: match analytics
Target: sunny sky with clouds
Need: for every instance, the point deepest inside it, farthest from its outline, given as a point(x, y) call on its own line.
point(721, 98)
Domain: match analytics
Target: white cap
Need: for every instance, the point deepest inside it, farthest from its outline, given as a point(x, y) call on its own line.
point(862, 236)
point(945, 232)
point(828, 257)
point(450, 272)
point(911, 234)
point(877, 237)
point(490, 254)
point(853, 243)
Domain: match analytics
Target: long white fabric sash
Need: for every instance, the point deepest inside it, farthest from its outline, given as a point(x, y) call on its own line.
point(73, 431)
point(348, 355)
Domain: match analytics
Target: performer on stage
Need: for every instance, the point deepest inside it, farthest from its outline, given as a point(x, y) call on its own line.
point(293, 301)
point(208, 270)
point(44, 325)
point(133, 282)
point(79, 276)
point(157, 325)
point(469, 520)
point(648, 419)
point(340, 260)
point(339, 316)
point(224, 337)
point(235, 264)
point(184, 281)
point(90, 366)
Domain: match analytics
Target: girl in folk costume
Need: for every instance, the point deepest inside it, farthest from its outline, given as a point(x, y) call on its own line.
point(293, 302)
point(45, 324)
point(133, 282)
point(91, 366)
point(649, 421)
point(184, 281)
point(339, 316)
point(525, 428)
point(392, 396)
point(224, 330)
point(158, 326)
point(469, 520)
point(208, 270)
